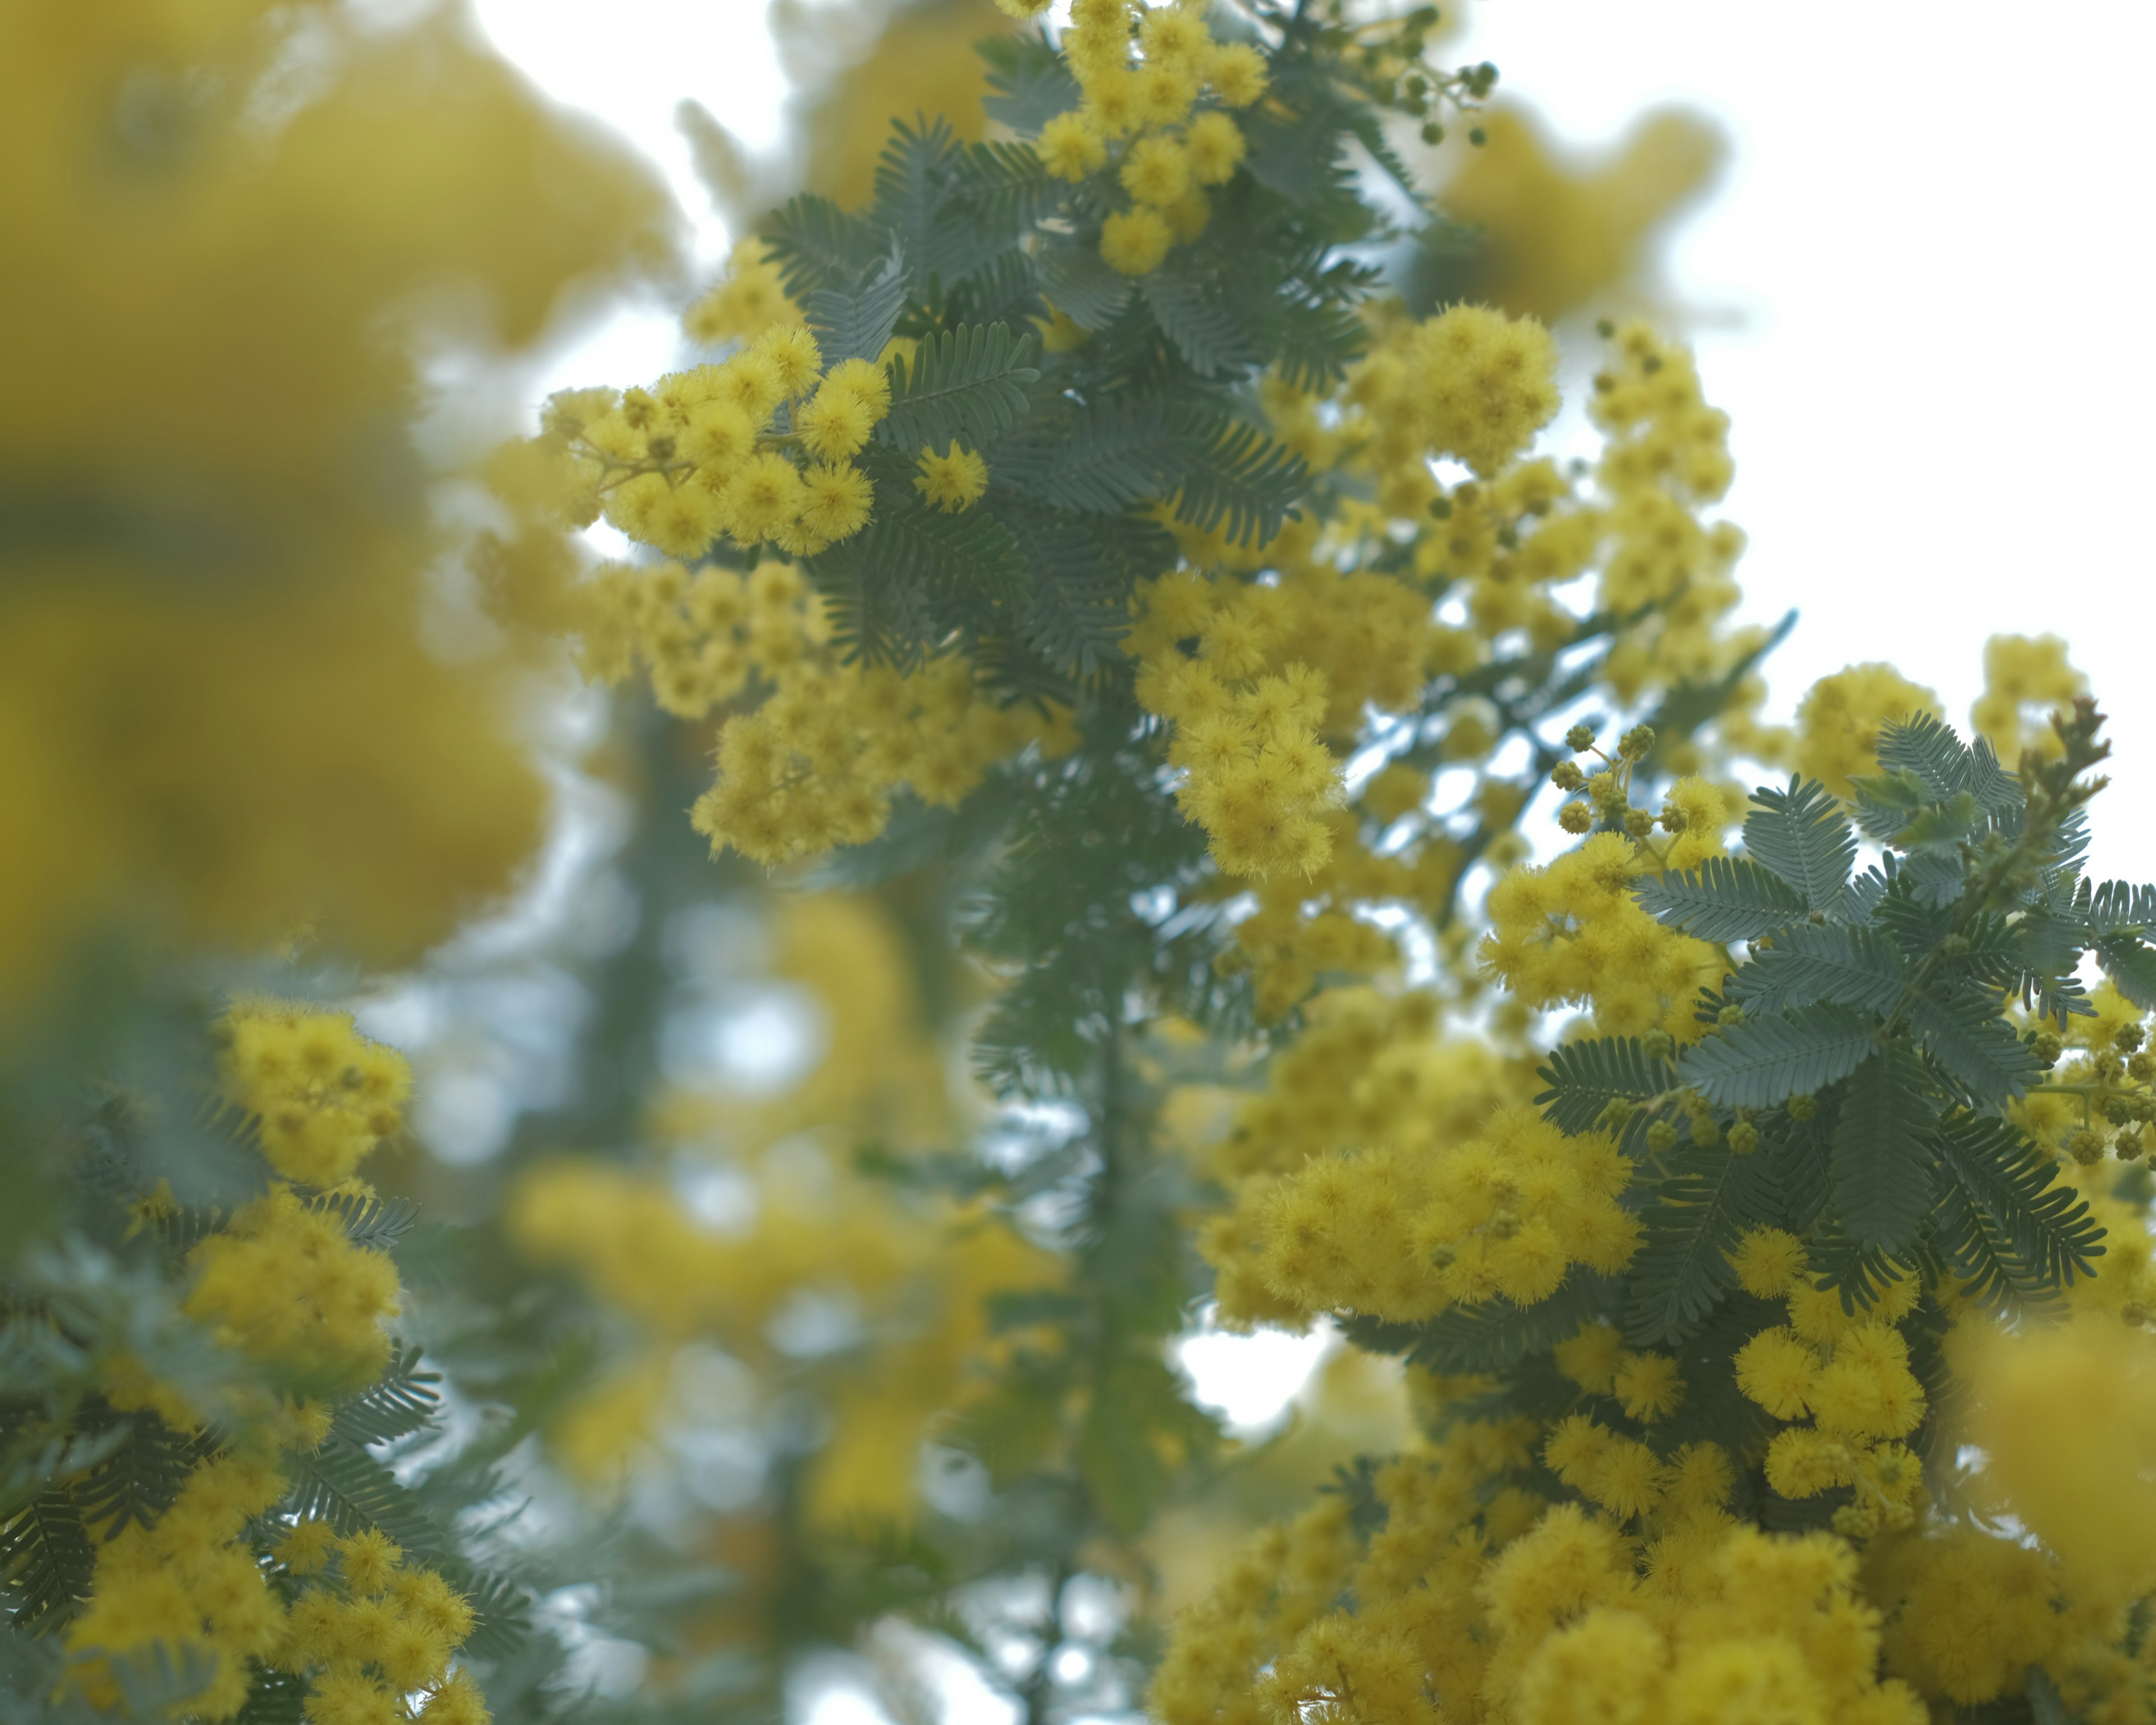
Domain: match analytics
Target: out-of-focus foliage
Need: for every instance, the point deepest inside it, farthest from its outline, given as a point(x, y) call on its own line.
point(215, 717)
point(1057, 861)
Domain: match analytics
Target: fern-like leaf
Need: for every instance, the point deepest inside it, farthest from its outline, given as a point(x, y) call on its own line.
point(1928, 747)
point(966, 383)
point(1084, 287)
point(1972, 1045)
point(1683, 1266)
point(2131, 965)
point(1758, 1062)
point(1497, 1334)
point(1231, 476)
point(1189, 306)
point(1846, 964)
point(1725, 899)
point(402, 1401)
point(1801, 836)
point(856, 324)
point(46, 1561)
point(1882, 1163)
point(814, 243)
point(1584, 1078)
point(2038, 1224)
point(370, 1221)
point(352, 1492)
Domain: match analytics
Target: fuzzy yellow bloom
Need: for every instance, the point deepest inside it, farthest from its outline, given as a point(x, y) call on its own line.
point(836, 500)
point(794, 357)
point(836, 424)
point(746, 303)
point(1214, 147)
point(1767, 1262)
point(1134, 242)
point(1156, 171)
point(762, 498)
point(1236, 73)
point(1838, 720)
point(953, 481)
point(1778, 1370)
point(1070, 147)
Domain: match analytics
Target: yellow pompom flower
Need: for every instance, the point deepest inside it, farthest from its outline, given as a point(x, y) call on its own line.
point(1134, 242)
point(1767, 1262)
point(1070, 147)
point(1174, 35)
point(1164, 92)
point(1776, 1369)
point(1110, 106)
point(683, 523)
point(1236, 71)
point(1649, 1386)
point(835, 423)
point(754, 381)
point(1215, 146)
point(867, 380)
point(1156, 171)
point(764, 495)
point(836, 501)
point(746, 303)
point(795, 358)
point(953, 481)
point(719, 436)
point(1022, 10)
point(1838, 719)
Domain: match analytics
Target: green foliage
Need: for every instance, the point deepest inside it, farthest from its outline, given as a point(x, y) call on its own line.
point(1801, 836)
point(1586, 1078)
point(1683, 1267)
point(1864, 1038)
point(964, 384)
point(1724, 899)
point(1758, 1062)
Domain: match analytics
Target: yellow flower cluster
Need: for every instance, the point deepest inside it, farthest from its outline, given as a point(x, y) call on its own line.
point(320, 1095)
point(813, 765)
point(188, 1584)
point(1401, 1235)
point(926, 1278)
point(377, 1644)
point(694, 457)
point(282, 1282)
point(1252, 677)
point(1171, 153)
point(1478, 1599)
point(702, 637)
point(747, 301)
point(1573, 933)
point(1470, 383)
point(1369, 1069)
point(2021, 672)
point(216, 713)
point(1838, 719)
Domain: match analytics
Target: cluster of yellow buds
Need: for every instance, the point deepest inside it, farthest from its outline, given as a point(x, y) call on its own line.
point(1142, 112)
point(699, 455)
